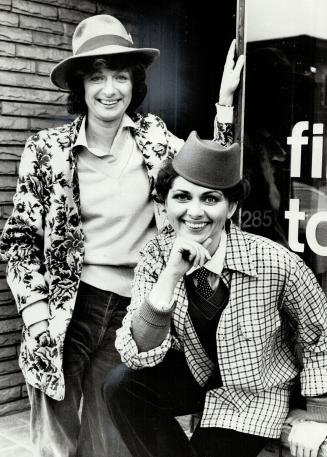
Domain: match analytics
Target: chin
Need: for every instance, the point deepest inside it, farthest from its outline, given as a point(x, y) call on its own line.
point(198, 237)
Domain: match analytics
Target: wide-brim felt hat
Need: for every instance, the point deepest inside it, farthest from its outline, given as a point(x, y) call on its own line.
point(100, 35)
point(209, 164)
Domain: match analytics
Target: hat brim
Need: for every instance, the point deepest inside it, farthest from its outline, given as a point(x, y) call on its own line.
point(58, 75)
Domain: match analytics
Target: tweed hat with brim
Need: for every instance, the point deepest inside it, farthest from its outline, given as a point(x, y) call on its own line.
point(208, 163)
point(99, 36)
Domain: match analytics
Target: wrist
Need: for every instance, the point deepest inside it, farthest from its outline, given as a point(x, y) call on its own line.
point(159, 304)
point(225, 100)
point(163, 292)
point(169, 279)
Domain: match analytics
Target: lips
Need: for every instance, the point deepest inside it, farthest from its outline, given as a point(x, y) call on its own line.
point(196, 225)
point(108, 102)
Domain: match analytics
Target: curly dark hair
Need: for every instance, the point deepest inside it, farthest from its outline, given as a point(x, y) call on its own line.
point(167, 176)
point(76, 98)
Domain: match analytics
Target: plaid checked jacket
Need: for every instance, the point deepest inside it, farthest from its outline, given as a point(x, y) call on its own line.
point(270, 287)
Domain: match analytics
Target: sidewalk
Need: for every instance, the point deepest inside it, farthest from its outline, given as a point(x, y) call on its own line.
point(14, 435)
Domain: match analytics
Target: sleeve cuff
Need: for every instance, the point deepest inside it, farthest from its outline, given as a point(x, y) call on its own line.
point(35, 312)
point(317, 408)
point(153, 316)
point(225, 114)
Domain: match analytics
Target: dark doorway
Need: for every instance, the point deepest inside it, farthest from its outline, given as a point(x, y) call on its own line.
point(183, 86)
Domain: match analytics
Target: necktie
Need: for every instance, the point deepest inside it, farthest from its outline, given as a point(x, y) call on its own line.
point(201, 274)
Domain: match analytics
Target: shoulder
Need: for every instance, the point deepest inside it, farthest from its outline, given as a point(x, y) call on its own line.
point(146, 121)
point(60, 134)
point(157, 250)
point(154, 140)
point(272, 253)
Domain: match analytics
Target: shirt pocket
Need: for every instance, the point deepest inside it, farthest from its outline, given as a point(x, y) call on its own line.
point(260, 325)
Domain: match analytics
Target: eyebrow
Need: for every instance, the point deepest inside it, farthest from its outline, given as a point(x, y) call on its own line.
point(209, 192)
point(213, 191)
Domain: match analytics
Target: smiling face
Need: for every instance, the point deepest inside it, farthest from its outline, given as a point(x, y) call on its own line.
point(108, 94)
point(197, 212)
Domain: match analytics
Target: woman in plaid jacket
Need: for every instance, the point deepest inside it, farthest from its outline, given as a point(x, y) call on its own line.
point(214, 339)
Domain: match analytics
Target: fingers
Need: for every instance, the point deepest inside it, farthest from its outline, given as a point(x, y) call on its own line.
point(313, 452)
point(198, 253)
point(239, 64)
point(207, 243)
point(293, 450)
point(230, 64)
point(306, 438)
point(230, 55)
point(200, 256)
point(297, 450)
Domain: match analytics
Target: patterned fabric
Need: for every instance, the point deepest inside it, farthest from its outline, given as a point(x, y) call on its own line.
point(270, 287)
point(201, 275)
point(43, 239)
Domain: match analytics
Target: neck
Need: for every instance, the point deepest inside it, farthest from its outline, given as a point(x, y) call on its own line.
point(101, 135)
point(214, 245)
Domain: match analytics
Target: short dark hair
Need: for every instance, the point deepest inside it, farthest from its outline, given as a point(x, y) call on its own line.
point(167, 176)
point(76, 98)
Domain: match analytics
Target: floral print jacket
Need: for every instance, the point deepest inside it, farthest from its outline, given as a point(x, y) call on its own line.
point(43, 238)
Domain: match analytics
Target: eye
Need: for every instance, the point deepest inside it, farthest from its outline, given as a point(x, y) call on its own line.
point(95, 77)
point(211, 199)
point(181, 197)
point(124, 76)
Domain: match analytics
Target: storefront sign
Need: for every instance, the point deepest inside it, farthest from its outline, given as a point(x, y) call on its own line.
point(294, 215)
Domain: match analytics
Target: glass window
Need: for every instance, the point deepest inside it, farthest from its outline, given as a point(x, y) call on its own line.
point(285, 126)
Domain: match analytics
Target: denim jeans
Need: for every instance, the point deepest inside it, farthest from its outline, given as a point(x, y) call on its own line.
point(80, 426)
point(143, 404)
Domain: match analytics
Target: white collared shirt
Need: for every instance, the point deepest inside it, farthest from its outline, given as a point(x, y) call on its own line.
point(216, 263)
point(117, 212)
point(122, 137)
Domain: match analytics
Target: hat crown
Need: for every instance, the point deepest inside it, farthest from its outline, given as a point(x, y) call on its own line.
point(98, 36)
point(209, 164)
point(97, 26)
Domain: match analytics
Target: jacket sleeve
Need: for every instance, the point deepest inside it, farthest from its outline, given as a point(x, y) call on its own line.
point(307, 303)
point(223, 129)
point(146, 275)
point(21, 244)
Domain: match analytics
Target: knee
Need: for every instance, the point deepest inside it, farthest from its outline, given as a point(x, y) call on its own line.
point(114, 384)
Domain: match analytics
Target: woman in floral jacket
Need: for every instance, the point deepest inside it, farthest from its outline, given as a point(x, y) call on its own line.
point(82, 211)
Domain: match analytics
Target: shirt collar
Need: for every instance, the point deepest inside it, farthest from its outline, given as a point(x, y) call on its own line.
point(81, 140)
point(216, 263)
point(240, 252)
point(81, 136)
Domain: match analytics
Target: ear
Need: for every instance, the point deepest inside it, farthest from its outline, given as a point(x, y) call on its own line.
point(231, 209)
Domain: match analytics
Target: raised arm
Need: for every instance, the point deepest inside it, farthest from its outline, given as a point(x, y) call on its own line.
point(231, 76)
point(223, 125)
point(151, 323)
point(144, 338)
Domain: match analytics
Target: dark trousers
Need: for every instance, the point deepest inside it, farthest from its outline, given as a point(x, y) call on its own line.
point(143, 405)
point(57, 430)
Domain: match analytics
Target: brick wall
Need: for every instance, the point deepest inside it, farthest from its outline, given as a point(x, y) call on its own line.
point(34, 35)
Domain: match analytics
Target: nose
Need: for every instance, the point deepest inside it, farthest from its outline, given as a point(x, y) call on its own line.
point(195, 209)
point(109, 87)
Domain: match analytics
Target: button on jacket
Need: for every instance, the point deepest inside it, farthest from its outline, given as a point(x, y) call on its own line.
point(43, 240)
point(272, 292)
